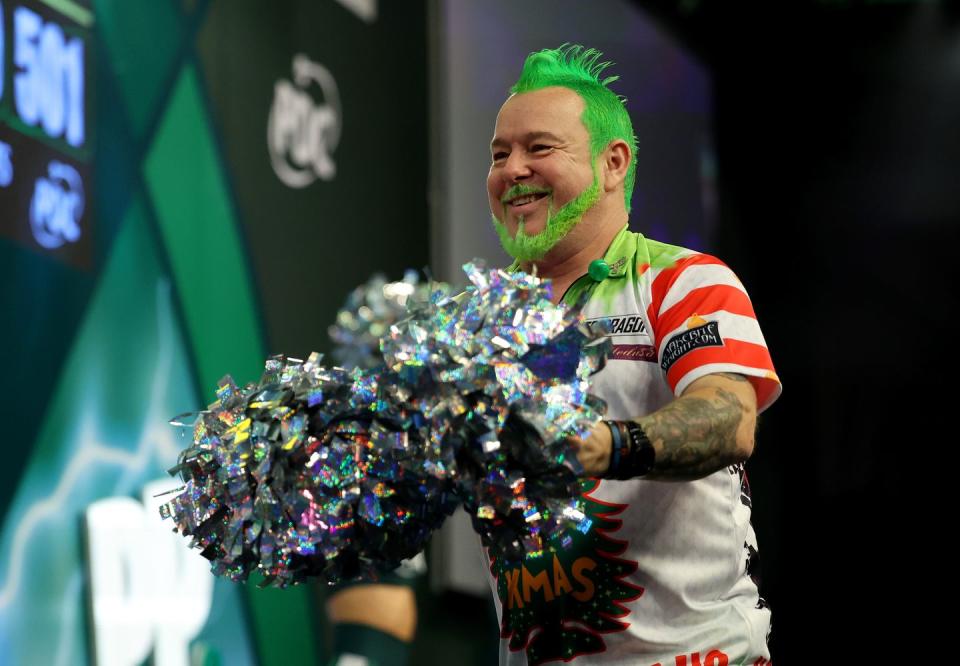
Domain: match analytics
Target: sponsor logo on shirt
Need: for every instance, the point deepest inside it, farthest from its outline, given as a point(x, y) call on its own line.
point(617, 267)
point(706, 335)
point(618, 325)
point(634, 353)
point(627, 325)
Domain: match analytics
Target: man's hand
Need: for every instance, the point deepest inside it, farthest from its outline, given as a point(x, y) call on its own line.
point(594, 451)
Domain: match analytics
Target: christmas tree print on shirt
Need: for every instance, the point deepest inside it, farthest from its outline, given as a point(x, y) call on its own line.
point(558, 605)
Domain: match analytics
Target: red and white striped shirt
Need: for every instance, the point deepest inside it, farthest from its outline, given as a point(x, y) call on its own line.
point(664, 577)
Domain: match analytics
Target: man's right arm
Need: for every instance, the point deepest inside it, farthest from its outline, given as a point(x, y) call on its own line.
point(709, 427)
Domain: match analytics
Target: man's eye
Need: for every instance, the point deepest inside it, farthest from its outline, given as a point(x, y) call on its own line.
point(499, 156)
point(540, 148)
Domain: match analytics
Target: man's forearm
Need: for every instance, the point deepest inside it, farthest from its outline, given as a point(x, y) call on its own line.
point(699, 433)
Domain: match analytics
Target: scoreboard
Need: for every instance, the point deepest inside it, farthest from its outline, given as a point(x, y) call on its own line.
point(45, 146)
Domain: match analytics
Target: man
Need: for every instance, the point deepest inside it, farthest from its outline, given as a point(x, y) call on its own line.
point(666, 575)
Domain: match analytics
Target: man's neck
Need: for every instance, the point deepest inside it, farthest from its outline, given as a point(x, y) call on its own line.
point(569, 261)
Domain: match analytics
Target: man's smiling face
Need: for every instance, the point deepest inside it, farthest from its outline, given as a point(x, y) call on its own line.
point(541, 180)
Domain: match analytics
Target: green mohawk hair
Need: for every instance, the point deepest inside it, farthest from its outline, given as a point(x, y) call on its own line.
point(605, 116)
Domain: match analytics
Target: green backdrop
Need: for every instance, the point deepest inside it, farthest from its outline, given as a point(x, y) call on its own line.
point(202, 263)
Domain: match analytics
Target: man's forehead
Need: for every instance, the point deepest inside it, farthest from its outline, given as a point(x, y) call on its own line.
point(554, 110)
point(528, 137)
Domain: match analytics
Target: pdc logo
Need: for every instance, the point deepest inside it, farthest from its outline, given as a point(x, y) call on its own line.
point(56, 206)
point(303, 131)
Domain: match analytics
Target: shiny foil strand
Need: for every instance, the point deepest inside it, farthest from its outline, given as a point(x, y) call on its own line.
point(340, 474)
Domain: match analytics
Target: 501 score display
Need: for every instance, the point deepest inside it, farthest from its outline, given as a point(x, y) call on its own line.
point(48, 76)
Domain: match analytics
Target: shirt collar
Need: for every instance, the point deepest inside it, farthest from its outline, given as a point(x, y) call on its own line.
point(620, 252)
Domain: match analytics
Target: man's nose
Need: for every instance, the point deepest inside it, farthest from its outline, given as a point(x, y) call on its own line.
point(516, 167)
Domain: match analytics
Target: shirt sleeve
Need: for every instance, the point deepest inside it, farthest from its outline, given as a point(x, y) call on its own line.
point(704, 323)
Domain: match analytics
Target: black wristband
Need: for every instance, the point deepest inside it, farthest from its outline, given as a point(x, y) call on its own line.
point(642, 454)
point(636, 453)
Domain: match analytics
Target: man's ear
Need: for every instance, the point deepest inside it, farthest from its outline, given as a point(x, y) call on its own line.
point(616, 161)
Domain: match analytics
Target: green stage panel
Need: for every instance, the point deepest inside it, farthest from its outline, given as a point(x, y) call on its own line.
point(201, 262)
point(144, 42)
point(105, 435)
point(196, 218)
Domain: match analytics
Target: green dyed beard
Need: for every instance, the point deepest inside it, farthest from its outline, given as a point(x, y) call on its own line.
point(559, 224)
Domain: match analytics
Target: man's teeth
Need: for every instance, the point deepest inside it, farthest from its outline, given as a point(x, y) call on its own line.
point(519, 201)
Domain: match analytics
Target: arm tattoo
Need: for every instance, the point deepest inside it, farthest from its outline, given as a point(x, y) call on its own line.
point(694, 436)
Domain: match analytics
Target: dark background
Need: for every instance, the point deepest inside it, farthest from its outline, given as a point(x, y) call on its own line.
point(309, 247)
point(838, 161)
